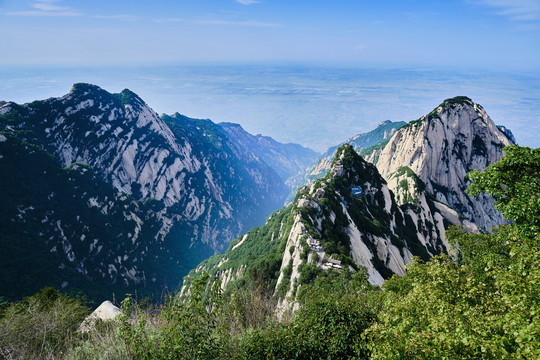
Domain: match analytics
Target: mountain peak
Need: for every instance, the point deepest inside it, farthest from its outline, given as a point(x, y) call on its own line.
point(449, 104)
point(457, 100)
point(231, 125)
point(345, 150)
point(384, 123)
point(441, 147)
point(82, 88)
point(128, 97)
point(349, 165)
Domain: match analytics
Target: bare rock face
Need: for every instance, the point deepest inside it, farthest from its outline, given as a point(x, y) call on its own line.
point(376, 218)
point(287, 159)
point(123, 196)
point(348, 219)
point(105, 312)
point(359, 142)
point(382, 235)
point(441, 148)
point(120, 137)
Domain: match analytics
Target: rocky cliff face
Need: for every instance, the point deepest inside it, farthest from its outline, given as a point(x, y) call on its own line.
point(118, 135)
point(441, 148)
point(359, 216)
point(348, 220)
point(206, 191)
point(360, 142)
point(286, 159)
point(353, 216)
point(67, 228)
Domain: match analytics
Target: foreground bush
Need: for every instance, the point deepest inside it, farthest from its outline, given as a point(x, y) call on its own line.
point(482, 303)
point(335, 312)
point(42, 326)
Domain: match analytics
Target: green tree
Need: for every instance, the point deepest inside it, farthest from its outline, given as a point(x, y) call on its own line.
point(334, 313)
point(42, 326)
point(482, 302)
point(190, 327)
point(514, 182)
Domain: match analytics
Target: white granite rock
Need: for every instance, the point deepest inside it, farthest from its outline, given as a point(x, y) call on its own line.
point(105, 312)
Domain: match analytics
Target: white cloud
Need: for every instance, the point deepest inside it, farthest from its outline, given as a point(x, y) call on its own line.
point(247, 2)
point(47, 8)
point(518, 10)
point(169, 20)
point(239, 23)
point(45, 13)
point(122, 17)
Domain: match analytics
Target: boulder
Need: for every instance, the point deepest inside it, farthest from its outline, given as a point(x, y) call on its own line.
point(106, 311)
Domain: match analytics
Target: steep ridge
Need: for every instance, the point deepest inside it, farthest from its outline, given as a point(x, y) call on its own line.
point(129, 146)
point(441, 148)
point(346, 221)
point(65, 227)
point(240, 179)
point(360, 142)
point(118, 135)
point(286, 159)
point(206, 192)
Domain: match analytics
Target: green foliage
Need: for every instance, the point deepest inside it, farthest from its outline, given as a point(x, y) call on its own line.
point(481, 303)
point(444, 309)
point(514, 182)
point(329, 325)
point(413, 124)
point(190, 328)
point(335, 311)
point(127, 97)
point(371, 149)
point(285, 283)
point(456, 100)
point(41, 326)
point(308, 272)
point(259, 253)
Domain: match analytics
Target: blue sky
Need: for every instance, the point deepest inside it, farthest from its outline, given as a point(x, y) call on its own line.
point(484, 34)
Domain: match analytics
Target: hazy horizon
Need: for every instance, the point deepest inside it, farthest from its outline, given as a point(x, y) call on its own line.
point(311, 72)
point(317, 107)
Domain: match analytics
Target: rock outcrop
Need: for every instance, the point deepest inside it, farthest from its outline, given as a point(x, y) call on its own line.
point(347, 220)
point(104, 312)
point(360, 143)
point(120, 196)
point(359, 216)
point(441, 148)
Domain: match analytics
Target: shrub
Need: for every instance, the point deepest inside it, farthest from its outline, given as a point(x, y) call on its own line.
point(41, 326)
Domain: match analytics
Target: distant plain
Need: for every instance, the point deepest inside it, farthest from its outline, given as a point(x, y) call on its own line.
point(311, 105)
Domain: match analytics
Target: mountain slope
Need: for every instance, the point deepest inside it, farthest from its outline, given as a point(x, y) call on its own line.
point(65, 227)
point(250, 187)
point(287, 159)
point(362, 217)
point(441, 148)
point(207, 192)
point(348, 220)
point(320, 166)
